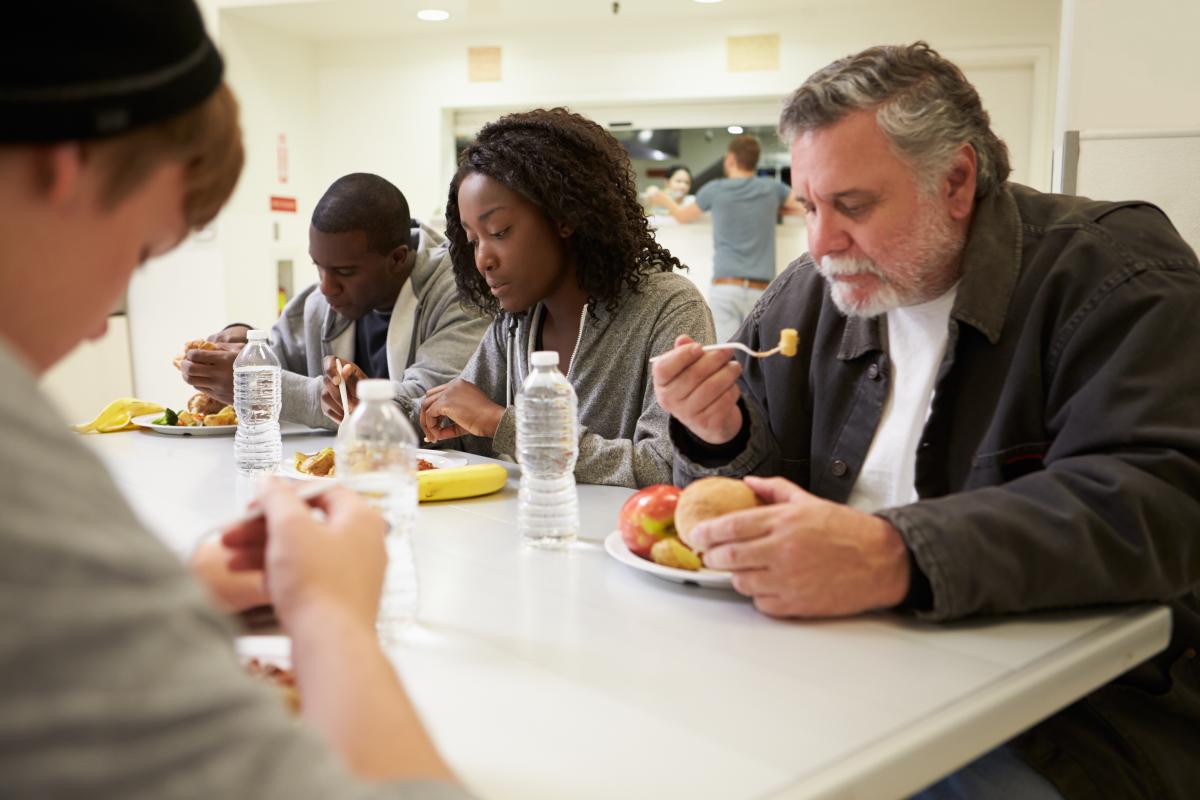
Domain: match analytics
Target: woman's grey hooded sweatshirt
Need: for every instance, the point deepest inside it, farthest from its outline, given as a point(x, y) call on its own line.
point(623, 431)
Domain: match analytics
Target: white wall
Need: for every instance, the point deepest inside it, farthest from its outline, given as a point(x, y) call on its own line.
point(384, 103)
point(1129, 65)
point(230, 274)
point(1127, 77)
point(274, 76)
point(94, 374)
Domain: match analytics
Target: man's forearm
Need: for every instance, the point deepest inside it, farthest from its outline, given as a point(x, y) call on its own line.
point(351, 694)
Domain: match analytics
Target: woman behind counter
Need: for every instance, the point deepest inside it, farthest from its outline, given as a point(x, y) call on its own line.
point(678, 187)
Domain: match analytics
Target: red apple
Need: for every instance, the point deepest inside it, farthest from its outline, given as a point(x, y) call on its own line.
point(648, 516)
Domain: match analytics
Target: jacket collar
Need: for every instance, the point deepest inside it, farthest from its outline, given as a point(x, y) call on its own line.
point(991, 265)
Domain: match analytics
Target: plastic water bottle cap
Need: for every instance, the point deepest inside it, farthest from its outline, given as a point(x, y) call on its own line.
point(544, 358)
point(257, 336)
point(375, 389)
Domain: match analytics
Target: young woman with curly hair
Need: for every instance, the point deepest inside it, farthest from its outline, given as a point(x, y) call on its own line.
point(547, 235)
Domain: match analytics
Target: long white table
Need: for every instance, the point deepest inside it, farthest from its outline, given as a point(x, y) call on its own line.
point(568, 674)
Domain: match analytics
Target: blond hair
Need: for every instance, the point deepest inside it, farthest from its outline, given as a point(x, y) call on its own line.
point(206, 139)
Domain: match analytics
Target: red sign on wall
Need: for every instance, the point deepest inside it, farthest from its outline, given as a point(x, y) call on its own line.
point(283, 203)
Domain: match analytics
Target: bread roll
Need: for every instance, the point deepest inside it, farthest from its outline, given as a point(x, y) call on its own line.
point(194, 344)
point(709, 498)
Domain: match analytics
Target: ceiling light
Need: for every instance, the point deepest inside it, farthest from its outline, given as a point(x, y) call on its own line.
point(706, 2)
point(734, 129)
point(433, 15)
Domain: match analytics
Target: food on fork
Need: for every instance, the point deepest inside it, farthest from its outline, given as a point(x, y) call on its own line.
point(789, 340)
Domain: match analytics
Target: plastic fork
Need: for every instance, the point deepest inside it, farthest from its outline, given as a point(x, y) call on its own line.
point(788, 341)
point(341, 382)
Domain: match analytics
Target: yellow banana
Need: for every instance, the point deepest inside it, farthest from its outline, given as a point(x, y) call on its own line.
point(116, 415)
point(454, 482)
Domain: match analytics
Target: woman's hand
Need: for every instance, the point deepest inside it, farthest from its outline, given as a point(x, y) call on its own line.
point(467, 408)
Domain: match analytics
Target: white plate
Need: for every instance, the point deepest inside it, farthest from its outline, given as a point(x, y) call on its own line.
point(439, 459)
point(147, 421)
point(711, 578)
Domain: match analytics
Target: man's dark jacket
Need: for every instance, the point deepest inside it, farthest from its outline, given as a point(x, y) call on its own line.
point(1059, 466)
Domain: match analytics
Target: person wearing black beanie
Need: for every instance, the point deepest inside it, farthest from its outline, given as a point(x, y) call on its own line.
point(118, 678)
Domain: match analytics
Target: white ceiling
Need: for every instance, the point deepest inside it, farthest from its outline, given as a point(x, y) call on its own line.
point(335, 19)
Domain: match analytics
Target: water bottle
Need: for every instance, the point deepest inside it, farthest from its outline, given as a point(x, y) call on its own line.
point(257, 398)
point(376, 456)
point(547, 447)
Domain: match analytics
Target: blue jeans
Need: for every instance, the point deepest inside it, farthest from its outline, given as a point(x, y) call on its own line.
point(998, 775)
point(730, 306)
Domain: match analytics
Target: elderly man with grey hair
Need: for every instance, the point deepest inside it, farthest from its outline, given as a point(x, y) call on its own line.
point(990, 412)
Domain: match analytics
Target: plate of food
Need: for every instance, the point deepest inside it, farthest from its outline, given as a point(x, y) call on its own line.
point(651, 521)
point(203, 416)
point(269, 659)
point(614, 543)
point(321, 464)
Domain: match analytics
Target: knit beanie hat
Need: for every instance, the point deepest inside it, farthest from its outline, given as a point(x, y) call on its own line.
point(84, 69)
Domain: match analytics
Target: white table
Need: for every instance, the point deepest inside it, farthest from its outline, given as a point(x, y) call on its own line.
point(568, 674)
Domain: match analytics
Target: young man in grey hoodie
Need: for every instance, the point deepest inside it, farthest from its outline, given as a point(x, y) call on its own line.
point(386, 306)
point(117, 679)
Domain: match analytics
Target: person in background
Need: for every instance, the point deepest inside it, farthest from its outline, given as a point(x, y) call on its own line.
point(386, 306)
point(117, 679)
point(744, 209)
point(991, 412)
point(678, 186)
point(547, 234)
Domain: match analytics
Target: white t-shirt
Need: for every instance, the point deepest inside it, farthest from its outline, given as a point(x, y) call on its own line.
point(916, 343)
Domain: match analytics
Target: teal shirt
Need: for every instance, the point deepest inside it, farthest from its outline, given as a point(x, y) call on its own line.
point(743, 222)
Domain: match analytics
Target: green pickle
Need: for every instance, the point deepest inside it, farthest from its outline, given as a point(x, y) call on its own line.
point(169, 417)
